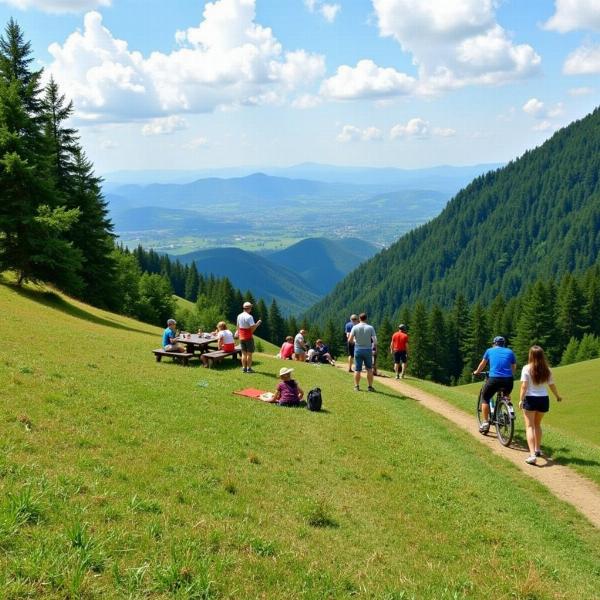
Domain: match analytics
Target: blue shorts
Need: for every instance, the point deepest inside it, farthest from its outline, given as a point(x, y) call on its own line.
point(363, 356)
point(536, 403)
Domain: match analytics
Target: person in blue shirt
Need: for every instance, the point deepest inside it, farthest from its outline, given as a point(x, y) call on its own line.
point(347, 329)
point(503, 365)
point(168, 340)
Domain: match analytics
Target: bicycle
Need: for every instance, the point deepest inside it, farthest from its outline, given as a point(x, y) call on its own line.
point(502, 416)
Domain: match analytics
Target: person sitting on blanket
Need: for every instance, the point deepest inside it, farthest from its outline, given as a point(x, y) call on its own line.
point(288, 392)
point(168, 340)
point(226, 341)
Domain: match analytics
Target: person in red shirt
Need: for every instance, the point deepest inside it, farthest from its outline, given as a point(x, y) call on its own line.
point(245, 331)
point(287, 348)
point(399, 348)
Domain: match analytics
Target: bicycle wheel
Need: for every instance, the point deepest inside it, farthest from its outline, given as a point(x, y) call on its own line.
point(505, 426)
point(480, 416)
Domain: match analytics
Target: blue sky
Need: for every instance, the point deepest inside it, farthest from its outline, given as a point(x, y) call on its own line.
point(188, 84)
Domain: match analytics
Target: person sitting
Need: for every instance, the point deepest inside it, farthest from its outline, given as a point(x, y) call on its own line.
point(288, 392)
point(322, 353)
point(169, 342)
point(287, 348)
point(225, 337)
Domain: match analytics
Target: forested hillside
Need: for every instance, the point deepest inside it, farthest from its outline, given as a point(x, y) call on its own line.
point(537, 217)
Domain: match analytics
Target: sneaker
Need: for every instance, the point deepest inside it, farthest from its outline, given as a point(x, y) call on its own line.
point(244, 370)
point(484, 427)
point(250, 370)
point(370, 389)
point(540, 454)
point(356, 388)
point(397, 376)
point(531, 460)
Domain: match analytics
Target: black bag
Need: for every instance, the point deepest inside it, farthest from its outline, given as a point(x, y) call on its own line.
point(314, 401)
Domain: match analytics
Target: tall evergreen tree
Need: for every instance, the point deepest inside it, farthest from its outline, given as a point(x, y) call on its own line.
point(262, 312)
point(572, 318)
point(384, 337)
point(276, 323)
point(439, 348)
point(192, 281)
point(420, 348)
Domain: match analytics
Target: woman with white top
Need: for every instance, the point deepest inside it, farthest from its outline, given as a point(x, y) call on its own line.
point(534, 400)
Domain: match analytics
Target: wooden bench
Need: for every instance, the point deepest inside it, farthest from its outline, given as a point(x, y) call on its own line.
point(210, 358)
point(183, 357)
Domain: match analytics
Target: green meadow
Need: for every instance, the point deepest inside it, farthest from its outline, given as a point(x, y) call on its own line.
point(124, 478)
point(571, 432)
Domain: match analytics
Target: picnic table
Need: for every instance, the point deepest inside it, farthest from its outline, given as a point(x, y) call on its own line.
point(200, 342)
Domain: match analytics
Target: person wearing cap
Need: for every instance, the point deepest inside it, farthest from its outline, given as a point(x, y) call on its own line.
point(245, 332)
point(399, 349)
point(347, 329)
point(503, 365)
point(365, 341)
point(168, 339)
point(300, 345)
point(288, 392)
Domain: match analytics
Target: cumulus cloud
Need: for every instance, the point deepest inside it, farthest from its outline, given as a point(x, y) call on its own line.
point(350, 133)
point(306, 101)
point(455, 43)
point(366, 80)
point(571, 15)
point(57, 6)
point(585, 60)
point(536, 108)
point(164, 125)
point(328, 11)
point(228, 60)
point(199, 142)
point(418, 128)
point(581, 91)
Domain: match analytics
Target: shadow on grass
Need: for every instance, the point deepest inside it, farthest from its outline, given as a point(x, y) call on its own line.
point(53, 300)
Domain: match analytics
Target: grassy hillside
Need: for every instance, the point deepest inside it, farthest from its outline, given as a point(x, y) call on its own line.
point(571, 433)
point(121, 477)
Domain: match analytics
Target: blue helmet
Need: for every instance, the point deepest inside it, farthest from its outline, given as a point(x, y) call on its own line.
point(499, 341)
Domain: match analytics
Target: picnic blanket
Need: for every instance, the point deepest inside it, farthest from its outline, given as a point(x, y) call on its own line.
point(256, 394)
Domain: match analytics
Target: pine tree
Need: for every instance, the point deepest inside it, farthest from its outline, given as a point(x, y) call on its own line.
point(592, 296)
point(331, 338)
point(439, 352)
point(262, 312)
point(570, 354)
point(572, 318)
point(276, 323)
point(589, 348)
point(420, 343)
point(477, 340)
point(458, 329)
point(192, 281)
point(384, 337)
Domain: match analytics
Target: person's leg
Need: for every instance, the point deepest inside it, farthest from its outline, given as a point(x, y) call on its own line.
point(403, 371)
point(248, 360)
point(538, 431)
point(357, 369)
point(370, 377)
point(530, 418)
point(350, 359)
point(244, 358)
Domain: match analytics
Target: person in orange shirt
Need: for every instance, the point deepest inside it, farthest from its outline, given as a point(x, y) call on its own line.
point(399, 348)
point(245, 331)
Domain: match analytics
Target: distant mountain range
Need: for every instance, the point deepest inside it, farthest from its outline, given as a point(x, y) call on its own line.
point(537, 217)
point(447, 179)
point(296, 277)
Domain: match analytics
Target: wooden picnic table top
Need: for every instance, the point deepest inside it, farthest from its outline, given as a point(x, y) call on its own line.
point(197, 340)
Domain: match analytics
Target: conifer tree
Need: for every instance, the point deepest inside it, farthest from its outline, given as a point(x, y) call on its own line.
point(458, 331)
point(262, 312)
point(276, 323)
point(570, 354)
point(192, 282)
point(420, 348)
point(439, 352)
point(589, 348)
point(478, 339)
point(384, 337)
point(592, 299)
point(572, 318)
point(331, 338)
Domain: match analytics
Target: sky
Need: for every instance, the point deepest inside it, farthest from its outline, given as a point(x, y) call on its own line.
point(190, 84)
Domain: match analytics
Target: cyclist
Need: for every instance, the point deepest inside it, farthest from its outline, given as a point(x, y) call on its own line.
point(503, 365)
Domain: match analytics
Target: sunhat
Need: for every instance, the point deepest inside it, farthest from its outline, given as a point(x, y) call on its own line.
point(246, 304)
point(285, 371)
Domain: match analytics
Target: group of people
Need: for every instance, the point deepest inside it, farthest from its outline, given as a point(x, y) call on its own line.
point(297, 348)
point(536, 377)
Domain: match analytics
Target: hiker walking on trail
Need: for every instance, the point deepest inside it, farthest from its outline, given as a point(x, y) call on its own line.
point(399, 349)
point(245, 331)
point(534, 400)
point(364, 339)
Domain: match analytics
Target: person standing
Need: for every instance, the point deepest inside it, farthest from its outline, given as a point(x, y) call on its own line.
point(503, 365)
point(364, 339)
point(300, 346)
point(245, 331)
point(534, 400)
point(399, 349)
point(347, 329)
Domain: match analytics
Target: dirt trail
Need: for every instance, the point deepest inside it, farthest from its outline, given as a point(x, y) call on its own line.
point(563, 482)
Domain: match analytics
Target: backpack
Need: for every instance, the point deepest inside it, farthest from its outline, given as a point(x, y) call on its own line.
point(314, 401)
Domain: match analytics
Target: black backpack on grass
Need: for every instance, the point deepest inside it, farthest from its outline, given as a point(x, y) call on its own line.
point(314, 401)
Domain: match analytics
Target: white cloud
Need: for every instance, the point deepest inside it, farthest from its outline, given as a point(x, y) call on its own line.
point(330, 11)
point(164, 125)
point(418, 128)
point(350, 133)
point(575, 14)
point(543, 126)
point(199, 142)
point(414, 128)
point(366, 80)
point(585, 60)
point(228, 60)
point(455, 43)
point(581, 91)
point(537, 109)
point(306, 101)
point(108, 145)
point(57, 6)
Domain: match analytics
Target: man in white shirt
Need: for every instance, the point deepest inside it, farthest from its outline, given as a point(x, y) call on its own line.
point(365, 343)
point(245, 331)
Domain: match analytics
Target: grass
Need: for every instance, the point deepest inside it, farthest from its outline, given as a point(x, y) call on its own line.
point(132, 479)
point(571, 432)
